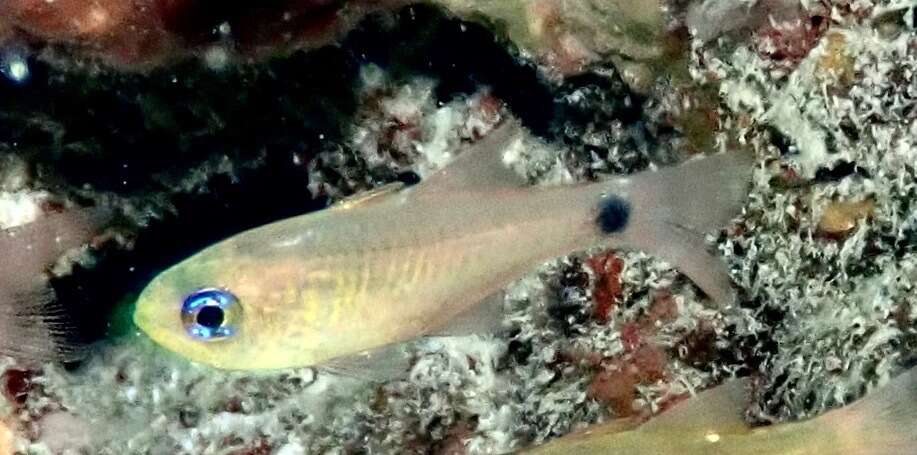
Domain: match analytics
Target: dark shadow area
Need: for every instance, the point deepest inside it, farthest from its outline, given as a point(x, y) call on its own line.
point(135, 136)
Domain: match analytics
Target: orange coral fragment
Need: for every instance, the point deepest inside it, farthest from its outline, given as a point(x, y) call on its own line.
point(840, 218)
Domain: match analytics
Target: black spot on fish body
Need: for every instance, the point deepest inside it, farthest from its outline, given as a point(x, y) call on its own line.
point(614, 213)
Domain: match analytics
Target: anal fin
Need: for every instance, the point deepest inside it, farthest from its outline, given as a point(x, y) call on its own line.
point(485, 317)
point(381, 364)
point(688, 252)
point(720, 409)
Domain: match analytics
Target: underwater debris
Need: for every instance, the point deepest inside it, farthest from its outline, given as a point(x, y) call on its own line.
point(836, 62)
point(838, 219)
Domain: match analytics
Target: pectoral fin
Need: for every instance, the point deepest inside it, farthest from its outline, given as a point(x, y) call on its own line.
point(368, 197)
point(381, 364)
point(486, 317)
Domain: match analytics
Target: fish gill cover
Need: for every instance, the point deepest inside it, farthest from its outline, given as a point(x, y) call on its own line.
point(195, 145)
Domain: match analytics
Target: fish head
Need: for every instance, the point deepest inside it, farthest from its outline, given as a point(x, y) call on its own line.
point(219, 308)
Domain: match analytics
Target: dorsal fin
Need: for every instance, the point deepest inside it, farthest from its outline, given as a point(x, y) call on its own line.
point(717, 410)
point(480, 165)
point(368, 197)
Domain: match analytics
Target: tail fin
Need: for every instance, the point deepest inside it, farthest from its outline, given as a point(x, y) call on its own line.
point(884, 422)
point(703, 194)
point(677, 205)
point(33, 325)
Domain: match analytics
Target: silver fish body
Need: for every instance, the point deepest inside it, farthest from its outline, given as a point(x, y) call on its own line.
point(403, 264)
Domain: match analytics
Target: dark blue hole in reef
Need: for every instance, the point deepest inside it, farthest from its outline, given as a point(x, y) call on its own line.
point(614, 213)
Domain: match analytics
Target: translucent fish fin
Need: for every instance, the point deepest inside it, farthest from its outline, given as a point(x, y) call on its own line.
point(587, 440)
point(35, 246)
point(881, 423)
point(690, 254)
point(484, 318)
point(34, 326)
point(702, 195)
point(676, 205)
point(480, 165)
point(368, 197)
point(720, 409)
point(382, 364)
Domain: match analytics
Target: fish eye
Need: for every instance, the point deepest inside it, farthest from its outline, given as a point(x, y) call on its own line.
point(210, 314)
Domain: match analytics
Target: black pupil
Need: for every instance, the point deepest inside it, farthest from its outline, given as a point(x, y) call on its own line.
point(210, 317)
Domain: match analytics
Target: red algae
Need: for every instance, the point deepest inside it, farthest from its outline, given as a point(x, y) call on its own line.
point(616, 389)
point(607, 288)
point(616, 385)
point(630, 336)
point(663, 309)
point(260, 447)
point(454, 443)
point(643, 361)
point(16, 385)
point(698, 347)
point(788, 40)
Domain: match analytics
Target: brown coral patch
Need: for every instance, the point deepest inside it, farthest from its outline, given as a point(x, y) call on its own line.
point(616, 385)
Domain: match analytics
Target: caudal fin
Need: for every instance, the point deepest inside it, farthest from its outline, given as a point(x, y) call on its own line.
point(704, 194)
point(884, 422)
point(676, 206)
point(33, 325)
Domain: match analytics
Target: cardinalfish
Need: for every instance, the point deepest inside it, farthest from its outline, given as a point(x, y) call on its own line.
point(397, 264)
point(882, 423)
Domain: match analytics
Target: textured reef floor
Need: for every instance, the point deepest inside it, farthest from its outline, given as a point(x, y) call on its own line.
point(823, 93)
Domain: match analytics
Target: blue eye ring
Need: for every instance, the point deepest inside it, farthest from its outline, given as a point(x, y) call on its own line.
point(210, 314)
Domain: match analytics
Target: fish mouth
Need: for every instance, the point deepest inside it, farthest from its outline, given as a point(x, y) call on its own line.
point(157, 331)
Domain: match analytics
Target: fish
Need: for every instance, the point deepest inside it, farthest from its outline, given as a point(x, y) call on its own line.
point(338, 286)
point(34, 325)
point(881, 423)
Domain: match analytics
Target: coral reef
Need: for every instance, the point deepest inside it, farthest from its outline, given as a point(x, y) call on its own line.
point(822, 93)
point(827, 314)
point(138, 35)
